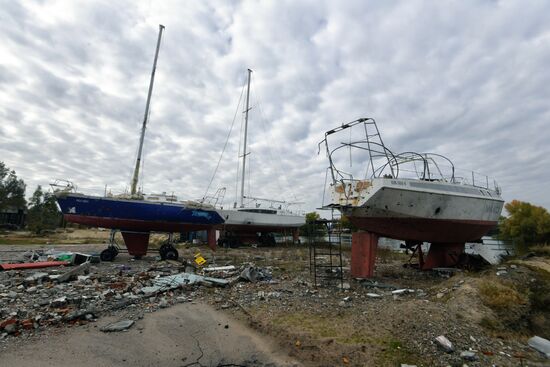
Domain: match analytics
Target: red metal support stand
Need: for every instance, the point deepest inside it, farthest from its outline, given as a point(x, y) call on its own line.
point(363, 254)
point(442, 255)
point(211, 238)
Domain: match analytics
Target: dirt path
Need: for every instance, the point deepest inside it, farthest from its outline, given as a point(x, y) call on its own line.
point(183, 335)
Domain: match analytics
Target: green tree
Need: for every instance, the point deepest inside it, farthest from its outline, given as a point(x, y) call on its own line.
point(313, 231)
point(346, 224)
point(12, 189)
point(43, 213)
point(526, 224)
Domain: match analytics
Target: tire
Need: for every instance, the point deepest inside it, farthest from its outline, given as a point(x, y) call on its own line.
point(171, 254)
point(107, 255)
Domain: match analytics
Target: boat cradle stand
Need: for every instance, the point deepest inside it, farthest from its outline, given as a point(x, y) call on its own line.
point(363, 254)
point(137, 244)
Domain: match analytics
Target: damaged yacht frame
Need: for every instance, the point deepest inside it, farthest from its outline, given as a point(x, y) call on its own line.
point(415, 197)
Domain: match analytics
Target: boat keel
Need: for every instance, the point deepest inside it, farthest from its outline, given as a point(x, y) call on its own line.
point(136, 242)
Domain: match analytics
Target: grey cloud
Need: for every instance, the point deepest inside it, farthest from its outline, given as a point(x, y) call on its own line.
point(464, 79)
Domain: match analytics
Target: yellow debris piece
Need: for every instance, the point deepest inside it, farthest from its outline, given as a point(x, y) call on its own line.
point(199, 259)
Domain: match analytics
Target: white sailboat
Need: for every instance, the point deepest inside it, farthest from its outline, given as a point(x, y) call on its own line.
point(244, 223)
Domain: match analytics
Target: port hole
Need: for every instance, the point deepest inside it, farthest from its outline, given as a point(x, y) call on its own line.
point(437, 210)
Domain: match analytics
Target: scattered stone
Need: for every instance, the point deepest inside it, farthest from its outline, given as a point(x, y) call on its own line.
point(501, 272)
point(374, 295)
point(445, 344)
point(118, 326)
point(59, 302)
point(33, 278)
point(10, 328)
point(468, 355)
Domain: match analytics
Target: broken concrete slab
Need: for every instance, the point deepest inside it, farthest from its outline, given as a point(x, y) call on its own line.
point(82, 268)
point(540, 344)
point(118, 326)
point(445, 344)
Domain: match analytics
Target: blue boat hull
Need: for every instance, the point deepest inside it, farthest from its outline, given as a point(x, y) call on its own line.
point(134, 214)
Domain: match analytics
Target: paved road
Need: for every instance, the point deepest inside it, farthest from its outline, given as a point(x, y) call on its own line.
point(182, 335)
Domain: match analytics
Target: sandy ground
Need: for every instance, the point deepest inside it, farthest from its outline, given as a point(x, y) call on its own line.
point(183, 335)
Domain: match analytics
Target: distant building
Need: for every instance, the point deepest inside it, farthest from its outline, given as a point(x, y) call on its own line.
point(13, 218)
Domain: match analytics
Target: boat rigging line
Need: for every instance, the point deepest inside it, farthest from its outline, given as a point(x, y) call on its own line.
point(225, 145)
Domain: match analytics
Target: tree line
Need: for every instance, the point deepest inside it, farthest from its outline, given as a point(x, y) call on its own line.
point(42, 213)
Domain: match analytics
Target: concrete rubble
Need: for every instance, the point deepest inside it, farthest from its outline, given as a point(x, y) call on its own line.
point(32, 300)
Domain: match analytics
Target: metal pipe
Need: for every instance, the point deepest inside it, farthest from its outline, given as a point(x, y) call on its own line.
point(145, 117)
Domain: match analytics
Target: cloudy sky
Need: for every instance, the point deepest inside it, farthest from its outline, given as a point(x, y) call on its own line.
point(467, 79)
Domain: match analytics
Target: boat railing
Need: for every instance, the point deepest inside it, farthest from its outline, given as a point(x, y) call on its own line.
point(63, 186)
point(380, 161)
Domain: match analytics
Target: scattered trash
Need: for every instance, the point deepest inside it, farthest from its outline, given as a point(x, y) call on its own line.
point(501, 272)
point(118, 326)
point(199, 260)
point(540, 344)
point(445, 344)
point(163, 284)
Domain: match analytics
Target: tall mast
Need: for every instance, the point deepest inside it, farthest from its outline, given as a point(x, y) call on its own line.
point(146, 115)
point(245, 136)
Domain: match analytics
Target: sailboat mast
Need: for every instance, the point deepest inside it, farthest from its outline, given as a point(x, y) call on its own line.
point(145, 117)
point(245, 136)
